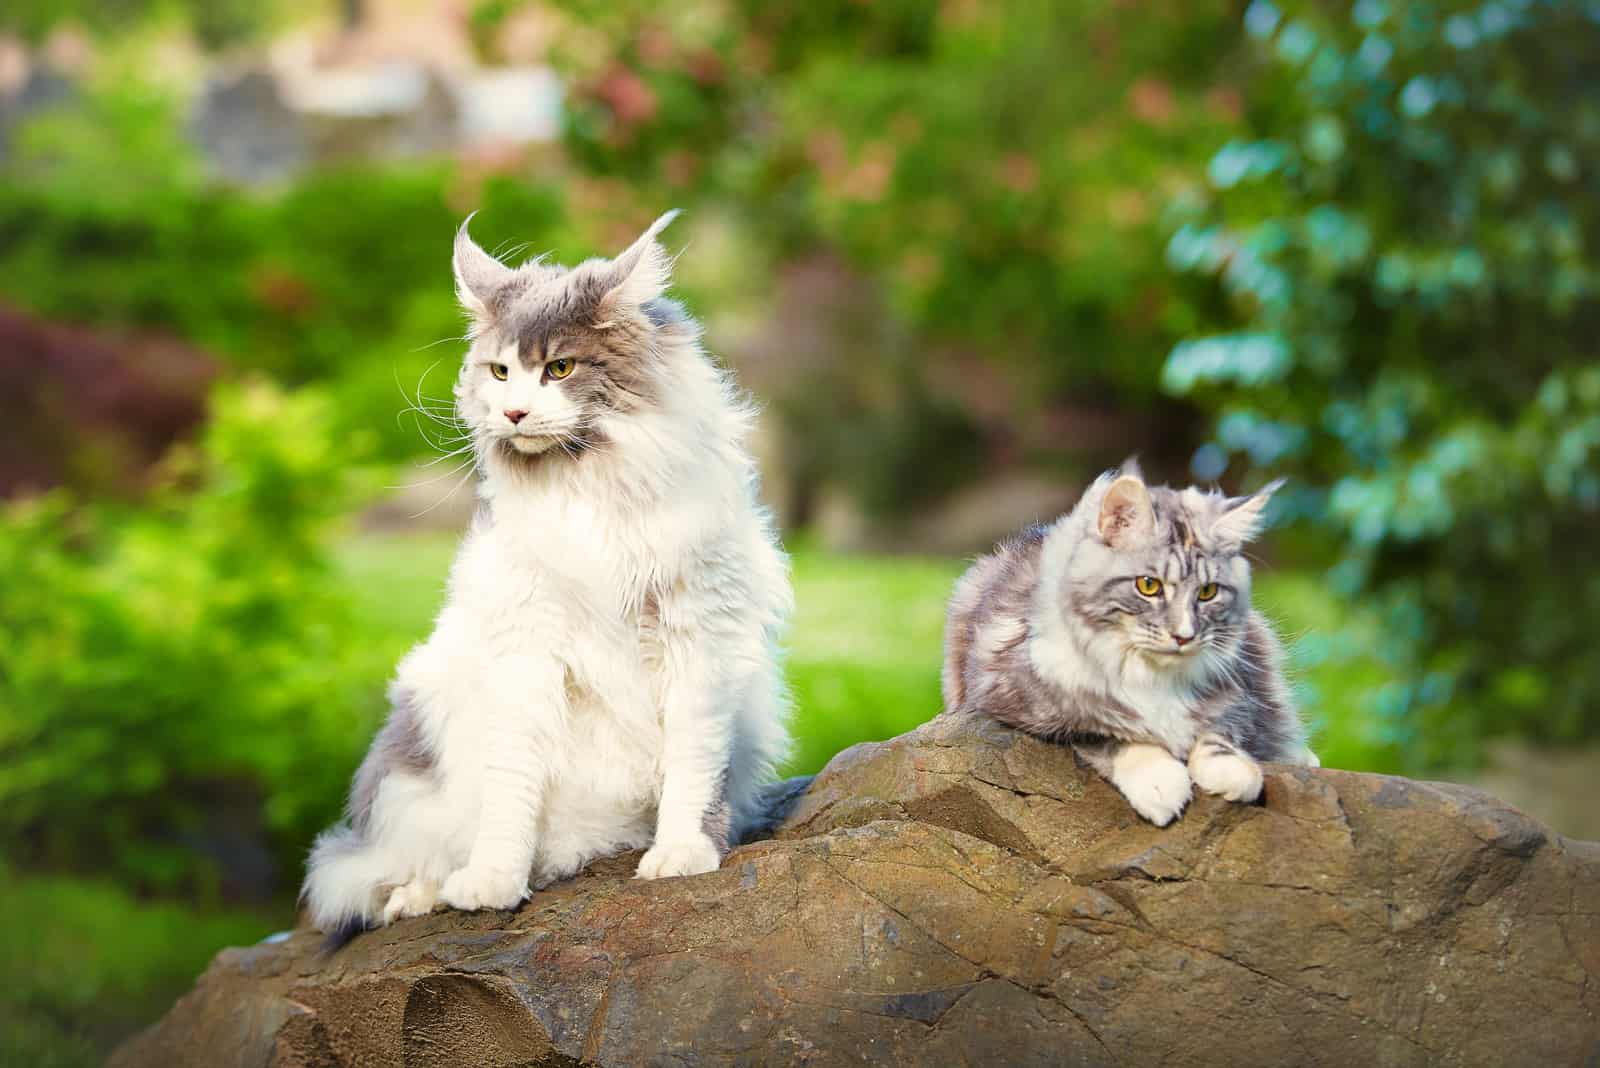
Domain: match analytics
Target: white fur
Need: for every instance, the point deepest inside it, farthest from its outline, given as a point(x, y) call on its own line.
point(1155, 782)
point(1230, 775)
point(607, 652)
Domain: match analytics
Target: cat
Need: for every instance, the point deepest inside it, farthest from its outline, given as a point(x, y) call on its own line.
point(1125, 629)
point(604, 673)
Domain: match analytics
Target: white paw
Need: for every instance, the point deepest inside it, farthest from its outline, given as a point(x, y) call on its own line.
point(484, 888)
point(415, 898)
point(1225, 772)
point(1155, 783)
point(685, 856)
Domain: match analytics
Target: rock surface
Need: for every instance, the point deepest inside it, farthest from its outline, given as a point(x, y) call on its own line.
point(963, 895)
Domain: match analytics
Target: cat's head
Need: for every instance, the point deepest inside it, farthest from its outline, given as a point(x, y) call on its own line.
point(1162, 572)
point(557, 353)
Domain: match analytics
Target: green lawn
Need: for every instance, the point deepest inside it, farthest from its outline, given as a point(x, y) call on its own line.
point(863, 652)
point(83, 964)
point(865, 648)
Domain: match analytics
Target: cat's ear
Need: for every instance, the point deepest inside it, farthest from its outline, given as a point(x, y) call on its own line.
point(1126, 514)
point(479, 275)
point(1240, 520)
point(640, 273)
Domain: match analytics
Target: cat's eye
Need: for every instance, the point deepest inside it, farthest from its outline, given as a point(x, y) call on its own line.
point(500, 371)
point(1147, 585)
point(559, 369)
point(1207, 592)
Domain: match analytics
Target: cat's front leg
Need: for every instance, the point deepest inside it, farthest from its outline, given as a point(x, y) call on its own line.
point(514, 775)
point(1222, 768)
point(1155, 782)
point(697, 722)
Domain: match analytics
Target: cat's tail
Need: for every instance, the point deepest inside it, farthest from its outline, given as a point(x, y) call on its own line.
point(773, 803)
point(343, 879)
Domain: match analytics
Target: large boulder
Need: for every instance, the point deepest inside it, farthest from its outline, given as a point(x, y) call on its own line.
point(965, 895)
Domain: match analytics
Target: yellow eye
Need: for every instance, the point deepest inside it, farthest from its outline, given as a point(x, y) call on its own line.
point(559, 368)
point(1206, 592)
point(500, 371)
point(1147, 585)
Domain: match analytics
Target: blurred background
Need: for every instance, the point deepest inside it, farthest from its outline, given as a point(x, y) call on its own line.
point(966, 255)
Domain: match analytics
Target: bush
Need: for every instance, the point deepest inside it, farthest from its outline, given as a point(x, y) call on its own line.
point(1409, 247)
point(995, 171)
point(341, 278)
point(177, 673)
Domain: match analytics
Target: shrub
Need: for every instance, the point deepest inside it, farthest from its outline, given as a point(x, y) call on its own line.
point(178, 673)
point(995, 171)
point(1408, 245)
point(342, 277)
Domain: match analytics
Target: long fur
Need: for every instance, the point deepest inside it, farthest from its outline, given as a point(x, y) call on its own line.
point(604, 673)
point(1051, 634)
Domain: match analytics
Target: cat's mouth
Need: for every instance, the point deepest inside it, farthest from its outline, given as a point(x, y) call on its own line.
point(532, 444)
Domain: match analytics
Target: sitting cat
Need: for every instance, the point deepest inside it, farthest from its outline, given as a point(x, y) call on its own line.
point(604, 674)
point(1124, 628)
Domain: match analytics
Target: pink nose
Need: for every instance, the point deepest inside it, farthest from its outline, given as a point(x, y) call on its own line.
point(1183, 639)
point(515, 416)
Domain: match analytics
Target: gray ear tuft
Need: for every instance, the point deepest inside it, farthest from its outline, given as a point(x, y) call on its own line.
point(1241, 521)
point(478, 275)
point(641, 272)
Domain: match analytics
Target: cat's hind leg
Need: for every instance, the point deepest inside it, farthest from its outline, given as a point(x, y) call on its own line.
point(1219, 767)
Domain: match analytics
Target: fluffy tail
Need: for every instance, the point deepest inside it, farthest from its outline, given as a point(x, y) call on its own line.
point(343, 878)
point(774, 801)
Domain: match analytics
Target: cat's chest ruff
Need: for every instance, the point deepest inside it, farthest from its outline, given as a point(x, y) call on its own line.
point(1166, 713)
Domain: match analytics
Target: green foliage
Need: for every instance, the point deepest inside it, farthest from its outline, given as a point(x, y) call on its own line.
point(342, 278)
point(995, 170)
point(189, 649)
point(1408, 245)
point(214, 23)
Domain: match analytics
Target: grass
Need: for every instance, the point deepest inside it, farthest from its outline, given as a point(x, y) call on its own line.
point(863, 657)
point(86, 963)
point(865, 648)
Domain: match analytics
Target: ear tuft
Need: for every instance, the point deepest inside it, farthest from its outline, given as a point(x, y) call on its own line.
point(641, 273)
point(478, 275)
point(1126, 514)
point(1241, 520)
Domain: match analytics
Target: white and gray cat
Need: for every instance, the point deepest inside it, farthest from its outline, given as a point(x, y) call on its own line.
point(1125, 629)
point(604, 673)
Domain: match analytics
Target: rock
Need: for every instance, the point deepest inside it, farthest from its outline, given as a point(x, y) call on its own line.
point(964, 895)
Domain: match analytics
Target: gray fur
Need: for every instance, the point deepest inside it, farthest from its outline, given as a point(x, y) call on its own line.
point(399, 747)
point(717, 823)
point(1003, 623)
point(776, 801)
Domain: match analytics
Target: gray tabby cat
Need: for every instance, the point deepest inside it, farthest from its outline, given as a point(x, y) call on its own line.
point(1124, 628)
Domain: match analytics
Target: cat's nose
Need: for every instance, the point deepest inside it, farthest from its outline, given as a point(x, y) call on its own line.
point(1183, 639)
point(515, 415)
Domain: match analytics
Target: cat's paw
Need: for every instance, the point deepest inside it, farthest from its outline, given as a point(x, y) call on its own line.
point(1155, 783)
point(1226, 772)
point(415, 898)
point(484, 888)
point(683, 856)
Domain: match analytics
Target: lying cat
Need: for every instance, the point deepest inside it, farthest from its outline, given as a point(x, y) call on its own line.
point(604, 673)
point(1124, 628)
